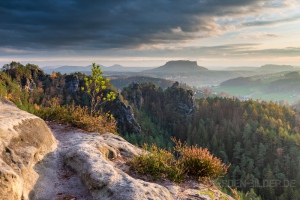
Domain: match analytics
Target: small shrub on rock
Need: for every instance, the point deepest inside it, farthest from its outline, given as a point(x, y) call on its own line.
point(158, 163)
point(191, 161)
point(199, 162)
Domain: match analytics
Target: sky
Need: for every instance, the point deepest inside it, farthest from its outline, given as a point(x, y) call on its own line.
point(148, 33)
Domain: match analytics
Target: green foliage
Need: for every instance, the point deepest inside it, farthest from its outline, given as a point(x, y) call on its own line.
point(192, 161)
point(238, 195)
point(200, 162)
point(121, 82)
point(3, 91)
point(158, 164)
point(94, 86)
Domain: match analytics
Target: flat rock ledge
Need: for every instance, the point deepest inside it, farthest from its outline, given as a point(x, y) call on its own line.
point(90, 155)
point(24, 140)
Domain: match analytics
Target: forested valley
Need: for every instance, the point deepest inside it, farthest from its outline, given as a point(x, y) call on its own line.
point(260, 140)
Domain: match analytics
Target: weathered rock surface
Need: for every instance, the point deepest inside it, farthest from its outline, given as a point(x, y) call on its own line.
point(90, 156)
point(99, 162)
point(195, 191)
point(24, 140)
point(124, 116)
point(56, 180)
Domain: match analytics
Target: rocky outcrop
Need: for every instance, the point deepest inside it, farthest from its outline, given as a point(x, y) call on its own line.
point(24, 140)
point(137, 97)
point(183, 100)
point(124, 116)
point(72, 83)
point(91, 156)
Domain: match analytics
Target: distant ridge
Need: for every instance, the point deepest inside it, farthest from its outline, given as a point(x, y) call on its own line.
point(264, 68)
point(67, 69)
point(242, 68)
point(83, 69)
point(278, 68)
point(121, 82)
point(179, 66)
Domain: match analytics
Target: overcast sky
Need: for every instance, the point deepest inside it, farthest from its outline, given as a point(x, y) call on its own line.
point(150, 32)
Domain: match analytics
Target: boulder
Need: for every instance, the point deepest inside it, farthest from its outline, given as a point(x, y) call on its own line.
point(24, 140)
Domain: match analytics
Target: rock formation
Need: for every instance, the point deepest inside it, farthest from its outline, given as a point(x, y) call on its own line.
point(124, 116)
point(24, 140)
point(72, 83)
point(179, 66)
point(90, 156)
point(184, 99)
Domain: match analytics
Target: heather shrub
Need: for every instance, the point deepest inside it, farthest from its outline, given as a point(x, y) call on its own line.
point(192, 161)
point(79, 117)
point(199, 162)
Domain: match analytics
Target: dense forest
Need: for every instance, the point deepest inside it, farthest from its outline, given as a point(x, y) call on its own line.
point(261, 140)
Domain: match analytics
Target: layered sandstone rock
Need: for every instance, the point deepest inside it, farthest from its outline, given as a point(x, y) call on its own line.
point(24, 140)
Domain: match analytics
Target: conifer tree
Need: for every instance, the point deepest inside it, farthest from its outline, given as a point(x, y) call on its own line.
point(94, 86)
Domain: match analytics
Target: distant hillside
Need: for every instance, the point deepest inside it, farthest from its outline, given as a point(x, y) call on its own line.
point(67, 69)
point(264, 68)
point(240, 81)
point(120, 68)
point(241, 68)
point(125, 81)
point(179, 66)
point(277, 68)
point(87, 69)
point(271, 87)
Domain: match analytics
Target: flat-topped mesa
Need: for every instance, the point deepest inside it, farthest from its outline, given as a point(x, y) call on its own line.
point(180, 66)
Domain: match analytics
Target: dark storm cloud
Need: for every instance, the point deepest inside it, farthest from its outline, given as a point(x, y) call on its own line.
point(82, 24)
point(242, 50)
